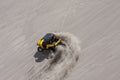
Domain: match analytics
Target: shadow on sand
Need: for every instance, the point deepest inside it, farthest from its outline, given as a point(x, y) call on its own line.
point(39, 56)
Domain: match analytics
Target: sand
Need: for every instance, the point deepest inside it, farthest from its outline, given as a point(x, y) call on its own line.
point(95, 24)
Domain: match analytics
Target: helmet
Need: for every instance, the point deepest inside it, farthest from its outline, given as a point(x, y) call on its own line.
point(48, 37)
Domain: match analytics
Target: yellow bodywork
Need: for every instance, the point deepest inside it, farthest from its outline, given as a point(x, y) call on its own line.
point(49, 45)
point(57, 42)
point(40, 44)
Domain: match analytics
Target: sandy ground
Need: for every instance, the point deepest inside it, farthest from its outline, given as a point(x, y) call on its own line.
point(96, 23)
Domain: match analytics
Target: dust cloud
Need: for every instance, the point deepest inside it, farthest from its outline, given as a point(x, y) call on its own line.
point(65, 58)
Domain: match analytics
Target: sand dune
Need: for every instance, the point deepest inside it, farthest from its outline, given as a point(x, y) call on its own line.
point(95, 23)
